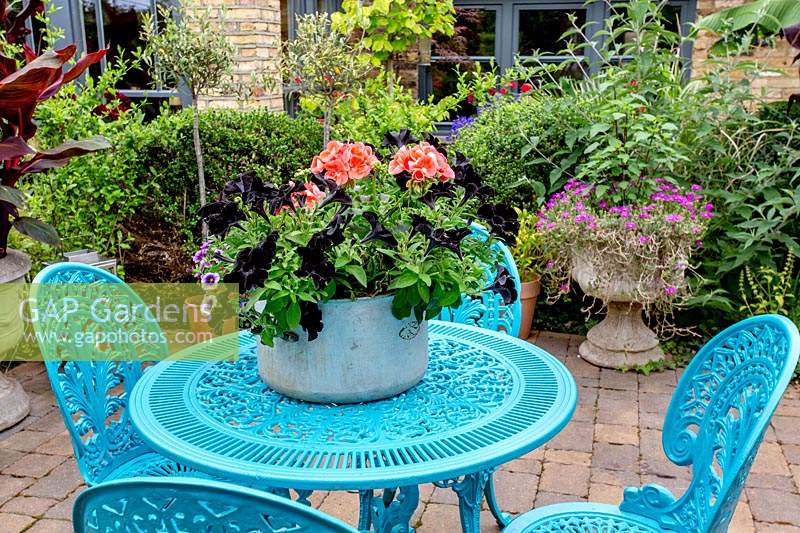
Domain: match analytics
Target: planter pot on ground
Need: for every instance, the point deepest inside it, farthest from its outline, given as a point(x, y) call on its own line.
point(527, 296)
point(14, 403)
point(362, 354)
point(622, 338)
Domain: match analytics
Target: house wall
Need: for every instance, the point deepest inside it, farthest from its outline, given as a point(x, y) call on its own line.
point(776, 86)
point(254, 28)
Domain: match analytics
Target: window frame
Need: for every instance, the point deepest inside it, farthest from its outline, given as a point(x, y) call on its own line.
point(69, 17)
point(507, 31)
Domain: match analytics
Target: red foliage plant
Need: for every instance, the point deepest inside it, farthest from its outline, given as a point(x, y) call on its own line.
point(23, 84)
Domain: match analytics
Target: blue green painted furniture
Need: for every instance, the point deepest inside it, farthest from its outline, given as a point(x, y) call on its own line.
point(93, 395)
point(489, 311)
point(486, 399)
point(716, 420)
point(193, 506)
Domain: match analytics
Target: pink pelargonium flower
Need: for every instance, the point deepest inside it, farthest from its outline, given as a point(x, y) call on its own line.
point(344, 162)
point(423, 162)
point(313, 194)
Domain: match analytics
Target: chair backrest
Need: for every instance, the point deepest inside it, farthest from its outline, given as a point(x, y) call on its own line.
point(489, 311)
point(717, 418)
point(190, 504)
point(92, 394)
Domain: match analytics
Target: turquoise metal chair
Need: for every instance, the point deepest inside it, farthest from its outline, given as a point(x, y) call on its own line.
point(715, 422)
point(489, 311)
point(92, 394)
point(193, 506)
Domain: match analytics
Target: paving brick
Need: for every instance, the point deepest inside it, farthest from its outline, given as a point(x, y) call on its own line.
point(787, 429)
point(789, 407)
point(33, 465)
point(8, 456)
point(768, 505)
point(343, 505)
point(621, 478)
point(616, 434)
point(770, 460)
point(615, 456)
point(26, 440)
point(59, 483)
point(11, 486)
point(28, 505)
point(599, 493)
point(444, 496)
point(63, 510)
point(529, 466)
point(742, 521)
point(515, 492)
point(548, 498)
point(576, 436)
point(770, 481)
point(14, 523)
point(565, 479)
point(568, 457)
point(61, 444)
point(51, 526)
point(617, 412)
point(763, 527)
point(676, 485)
point(614, 379)
point(437, 518)
point(653, 402)
point(663, 382)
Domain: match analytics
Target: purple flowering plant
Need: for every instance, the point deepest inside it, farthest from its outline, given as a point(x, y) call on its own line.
point(653, 238)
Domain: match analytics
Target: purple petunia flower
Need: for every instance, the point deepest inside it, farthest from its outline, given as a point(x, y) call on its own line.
point(696, 187)
point(671, 291)
point(673, 217)
point(210, 279)
point(630, 226)
point(644, 239)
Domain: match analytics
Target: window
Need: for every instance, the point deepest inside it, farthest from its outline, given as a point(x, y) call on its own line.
point(501, 30)
point(116, 24)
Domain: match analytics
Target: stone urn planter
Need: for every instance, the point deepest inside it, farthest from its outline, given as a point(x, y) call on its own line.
point(14, 402)
point(528, 294)
point(622, 339)
point(363, 353)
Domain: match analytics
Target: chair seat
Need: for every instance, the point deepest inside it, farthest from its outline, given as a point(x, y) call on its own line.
point(580, 518)
point(152, 464)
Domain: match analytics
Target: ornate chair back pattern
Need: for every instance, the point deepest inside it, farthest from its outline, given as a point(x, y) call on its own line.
point(187, 504)
point(717, 419)
point(489, 310)
point(92, 394)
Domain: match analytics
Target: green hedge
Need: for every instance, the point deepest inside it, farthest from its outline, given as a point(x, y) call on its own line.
point(495, 142)
point(273, 145)
point(137, 201)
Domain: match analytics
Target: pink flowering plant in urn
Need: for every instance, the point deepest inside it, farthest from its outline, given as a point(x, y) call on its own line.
point(352, 248)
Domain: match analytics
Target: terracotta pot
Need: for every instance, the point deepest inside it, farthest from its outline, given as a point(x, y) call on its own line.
point(622, 339)
point(527, 297)
point(14, 403)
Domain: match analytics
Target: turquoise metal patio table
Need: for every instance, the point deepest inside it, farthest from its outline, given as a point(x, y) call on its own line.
point(486, 399)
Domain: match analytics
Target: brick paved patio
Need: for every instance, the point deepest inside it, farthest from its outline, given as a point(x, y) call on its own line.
point(614, 440)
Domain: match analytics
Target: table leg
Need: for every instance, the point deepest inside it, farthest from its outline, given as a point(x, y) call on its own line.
point(470, 491)
point(393, 512)
point(365, 498)
point(502, 519)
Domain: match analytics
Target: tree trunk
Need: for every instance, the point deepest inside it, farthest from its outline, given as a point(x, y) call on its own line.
point(198, 152)
point(326, 122)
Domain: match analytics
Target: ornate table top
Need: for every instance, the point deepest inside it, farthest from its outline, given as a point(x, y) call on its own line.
point(486, 398)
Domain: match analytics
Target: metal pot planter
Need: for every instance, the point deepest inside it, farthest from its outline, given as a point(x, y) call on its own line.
point(622, 339)
point(363, 353)
point(528, 294)
point(14, 402)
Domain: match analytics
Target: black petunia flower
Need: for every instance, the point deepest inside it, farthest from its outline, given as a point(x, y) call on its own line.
point(421, 225)
point(378, 232)
point(315, 265)
point(253, 191)
point(468, 178)
point(438, 190)
point(284, 197)
point(449, 239)
point(502, 221)
point(332, 234)
point(338, 196)
point(402, 179)
point(398, 139)
point(221, 216)
point(504, 285)
point(252, 264)
point(310, 319)
point(434, 141)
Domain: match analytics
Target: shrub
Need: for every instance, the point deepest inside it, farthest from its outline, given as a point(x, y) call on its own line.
point(273, 145)
point(496, 140)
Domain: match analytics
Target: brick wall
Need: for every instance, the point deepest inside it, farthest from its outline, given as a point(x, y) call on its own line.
point(254, 28)
point(778, 85)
